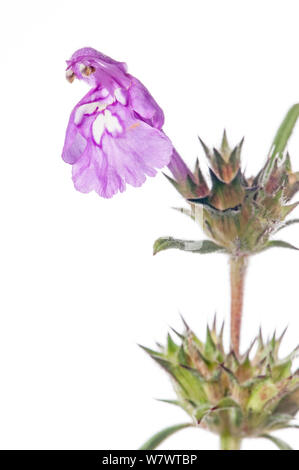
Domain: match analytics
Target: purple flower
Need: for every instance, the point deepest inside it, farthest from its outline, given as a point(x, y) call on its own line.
point(114, 133)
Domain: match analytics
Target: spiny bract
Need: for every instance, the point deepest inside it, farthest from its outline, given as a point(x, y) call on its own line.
point(238, 214)
point(229, 395)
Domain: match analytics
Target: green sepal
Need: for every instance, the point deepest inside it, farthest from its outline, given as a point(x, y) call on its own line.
point(282, 371)
point(158, 438)
point(201, 411)
point(226, 195)
point(188, 381)
point(174, 183)
point(151, 352)
point(210, 347)
point(193, 246)
point(250, 396)
point(225, 148)
point(224, 404)
point(261, 394)
point(172, 347)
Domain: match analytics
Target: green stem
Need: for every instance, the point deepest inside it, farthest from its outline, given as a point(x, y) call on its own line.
point(238, 266)
point(229, 442)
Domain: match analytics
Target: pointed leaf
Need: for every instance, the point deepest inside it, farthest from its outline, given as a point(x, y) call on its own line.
point(278, 442)
point(158, 438)
point(202, 246)
point(279, 244)
point(282, 136)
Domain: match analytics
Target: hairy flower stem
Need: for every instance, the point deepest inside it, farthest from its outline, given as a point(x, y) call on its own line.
point(229, 442)
point(238, 265)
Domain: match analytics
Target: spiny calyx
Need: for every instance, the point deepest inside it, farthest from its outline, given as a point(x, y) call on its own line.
point(239, 397)
point(236, 213)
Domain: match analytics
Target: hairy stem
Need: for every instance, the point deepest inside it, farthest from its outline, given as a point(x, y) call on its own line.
point(229, 442)
point(238, 265)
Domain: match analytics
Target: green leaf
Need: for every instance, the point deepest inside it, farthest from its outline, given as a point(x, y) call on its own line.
point(279, 244)
point(278, 442)
point(203, 246)
point(158, 438)
point(282, 136)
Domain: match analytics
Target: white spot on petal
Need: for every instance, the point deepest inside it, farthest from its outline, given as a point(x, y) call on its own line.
point(104, 121)
point(104, 92)
point(112, 123)
point(98, 128)
point(87, 108)
point(120, 96)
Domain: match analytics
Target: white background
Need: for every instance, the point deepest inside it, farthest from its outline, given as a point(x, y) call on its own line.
point(80, 287)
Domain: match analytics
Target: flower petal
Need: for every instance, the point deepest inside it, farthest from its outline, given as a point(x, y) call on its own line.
point(81, 119)
point(92, 173)
point(106, 71)
point(113, 136)
point(144, 104)
point(138, 151)
point(127, 151)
